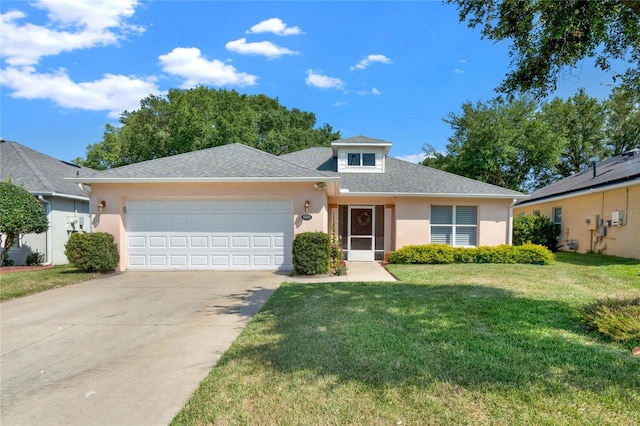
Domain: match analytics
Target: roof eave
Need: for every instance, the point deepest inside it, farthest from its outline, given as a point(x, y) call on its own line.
point(58, 194)
point(431, 195)
point(205, 180)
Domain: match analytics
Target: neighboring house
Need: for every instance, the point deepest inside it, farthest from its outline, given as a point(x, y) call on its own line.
point(66, 206)
point(235, 207)
point(595, 210)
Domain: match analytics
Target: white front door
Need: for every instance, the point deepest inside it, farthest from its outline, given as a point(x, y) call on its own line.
point(361, 220)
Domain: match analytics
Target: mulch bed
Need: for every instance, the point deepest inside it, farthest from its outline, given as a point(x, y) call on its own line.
point(8, 269)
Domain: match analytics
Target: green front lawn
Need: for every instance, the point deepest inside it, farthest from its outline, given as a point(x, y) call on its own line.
point(18, 284)
point(447, 344)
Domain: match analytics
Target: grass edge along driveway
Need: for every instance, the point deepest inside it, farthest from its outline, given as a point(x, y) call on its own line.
point(449, 344)
point(24, 283)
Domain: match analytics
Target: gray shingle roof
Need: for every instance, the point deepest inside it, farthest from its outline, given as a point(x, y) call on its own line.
point(616, 170)
point(400, 177)
point(37, 172)
point(233, 161)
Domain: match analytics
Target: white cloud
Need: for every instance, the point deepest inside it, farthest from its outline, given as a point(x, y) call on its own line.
point(413, 158)
point(275, 26)
point(72, 25)
point(188, 63)
point(458, 71)
point(373, 91)
point(113, 93)
point(369, 60)
point(462, 61)
point(265, 48)
point(323, 81)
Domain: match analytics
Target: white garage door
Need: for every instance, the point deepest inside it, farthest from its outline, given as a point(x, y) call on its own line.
point(209, 234)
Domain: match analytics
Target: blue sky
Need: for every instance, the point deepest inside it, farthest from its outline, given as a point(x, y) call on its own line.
point(389, 70)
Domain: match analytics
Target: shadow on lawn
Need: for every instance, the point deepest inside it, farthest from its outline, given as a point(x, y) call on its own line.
point(414, 335)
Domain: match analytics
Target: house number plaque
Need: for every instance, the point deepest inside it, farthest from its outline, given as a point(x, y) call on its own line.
point(306, 217)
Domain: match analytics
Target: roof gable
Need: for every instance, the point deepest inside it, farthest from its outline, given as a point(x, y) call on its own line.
point(38, 172)
point(359, 141)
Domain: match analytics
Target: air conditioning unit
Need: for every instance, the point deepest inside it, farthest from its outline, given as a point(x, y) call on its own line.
point(617, 218)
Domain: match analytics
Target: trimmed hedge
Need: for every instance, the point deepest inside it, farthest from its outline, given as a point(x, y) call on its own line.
point(92, 252)
point(445, 254)
point(616, 318)
point(311, 253)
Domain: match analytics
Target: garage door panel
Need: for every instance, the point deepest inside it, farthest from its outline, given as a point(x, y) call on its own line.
point(209, 234)
point(137, 242)
point(240, 242)
point(199, 261)
point(199, 241)
point(157, 260)
point(178, 241)
point(220, 261)
point(220, 242)
point(155, 241)
point(262, 242)
point(240, 260)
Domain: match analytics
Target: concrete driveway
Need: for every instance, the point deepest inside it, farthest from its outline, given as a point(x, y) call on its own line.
point(127, 349)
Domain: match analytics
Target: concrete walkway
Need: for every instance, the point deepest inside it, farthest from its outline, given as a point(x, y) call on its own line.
point(127, 349)
point(356, 272)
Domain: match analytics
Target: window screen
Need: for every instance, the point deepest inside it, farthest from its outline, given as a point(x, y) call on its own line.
point(454, 225)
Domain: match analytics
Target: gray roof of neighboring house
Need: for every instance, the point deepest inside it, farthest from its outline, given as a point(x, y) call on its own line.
point(620, 169)
point(226, 162)
point(37, 172)
point(400, 177)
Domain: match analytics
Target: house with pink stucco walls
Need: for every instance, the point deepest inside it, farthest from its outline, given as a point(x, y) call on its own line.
point(234, 207)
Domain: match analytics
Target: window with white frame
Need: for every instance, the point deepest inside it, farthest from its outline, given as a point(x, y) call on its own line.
point(454, 225)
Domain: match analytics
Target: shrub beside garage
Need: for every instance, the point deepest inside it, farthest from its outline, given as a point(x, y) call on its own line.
point(92, 252)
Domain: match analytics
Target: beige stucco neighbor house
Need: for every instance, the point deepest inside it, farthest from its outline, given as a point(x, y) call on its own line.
point(235, 207)
point(66, 206)
point(595, 210)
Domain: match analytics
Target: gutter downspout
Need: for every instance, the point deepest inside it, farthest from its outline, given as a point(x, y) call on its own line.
point(48, 254)
point(87, 191)
point(510, 222)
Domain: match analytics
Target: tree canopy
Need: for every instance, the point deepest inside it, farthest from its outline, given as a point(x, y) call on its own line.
point(193, 119)
point(20, 213)
point(549, 36)
point(524, 145)
point(501, 143)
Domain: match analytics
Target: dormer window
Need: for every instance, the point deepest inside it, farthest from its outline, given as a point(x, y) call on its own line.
point(361, 159)
point(360, 154)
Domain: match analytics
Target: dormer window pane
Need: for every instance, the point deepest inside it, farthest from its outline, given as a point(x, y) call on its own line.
point(353, 159)
point(368, 159)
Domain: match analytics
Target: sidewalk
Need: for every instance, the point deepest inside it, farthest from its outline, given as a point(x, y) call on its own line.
point(356, 272)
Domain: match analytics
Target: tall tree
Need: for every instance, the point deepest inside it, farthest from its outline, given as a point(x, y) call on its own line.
point(578, 123)
point(623, 120)
point(503, 143)
point(548, 36)
point(188, 120)
point(20, 213)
